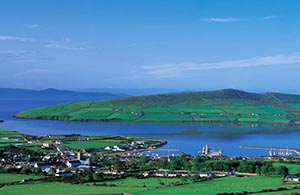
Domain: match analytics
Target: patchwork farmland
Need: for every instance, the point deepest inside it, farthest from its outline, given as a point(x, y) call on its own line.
point(223, 106)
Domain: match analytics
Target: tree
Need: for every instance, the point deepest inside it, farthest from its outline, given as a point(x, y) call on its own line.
point(251, 168)
point(163, 163)
point(117, 164)
point(144, 159)
point(37, 171)
point(257, 169)
point(176, 164)
point(25, 171)
point(51, 171)
point(88, 178)
point(282, 171)
point(98, 177)
point(196, 163)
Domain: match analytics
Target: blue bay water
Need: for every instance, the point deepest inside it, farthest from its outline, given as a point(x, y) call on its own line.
point(189, 143)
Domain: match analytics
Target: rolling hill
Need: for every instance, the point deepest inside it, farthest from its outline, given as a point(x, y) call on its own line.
point(53, 94)
point(221, 106)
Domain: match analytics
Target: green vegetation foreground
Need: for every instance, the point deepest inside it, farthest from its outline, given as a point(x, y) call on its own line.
point(151, 186)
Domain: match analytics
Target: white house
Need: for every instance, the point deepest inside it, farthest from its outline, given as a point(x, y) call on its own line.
point(205, 174)
point(73, 163)
point(291, 178)
point(43, 166)
point(172, 174)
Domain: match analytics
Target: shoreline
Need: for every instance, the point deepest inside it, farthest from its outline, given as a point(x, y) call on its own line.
point(235, 124)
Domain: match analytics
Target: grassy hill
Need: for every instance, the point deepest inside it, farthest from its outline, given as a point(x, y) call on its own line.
point(221, 106)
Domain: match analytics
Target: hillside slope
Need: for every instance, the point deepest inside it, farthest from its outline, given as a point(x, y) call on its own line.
point(53, 94)
point(221, 106)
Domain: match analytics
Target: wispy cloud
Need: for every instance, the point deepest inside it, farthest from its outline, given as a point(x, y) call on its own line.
point(270, 17)
point(67, 44)
point(14, 55)
point(220, 20)
point(31, 71)
point(13, 38)
point(31, 25)
point(11, 52)
point(20, 56)
point(175, 70)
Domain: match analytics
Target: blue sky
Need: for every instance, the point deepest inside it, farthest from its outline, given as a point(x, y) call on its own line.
point(199, 45)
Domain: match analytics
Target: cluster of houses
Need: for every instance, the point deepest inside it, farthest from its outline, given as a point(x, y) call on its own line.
point(134, 145)
point(170, 174)
point(208, 174)
point(62, 161)
point(65, 167)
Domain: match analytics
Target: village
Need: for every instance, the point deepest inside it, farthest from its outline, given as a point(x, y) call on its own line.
point(60, 161)
point(126, 159)
point(56, 159)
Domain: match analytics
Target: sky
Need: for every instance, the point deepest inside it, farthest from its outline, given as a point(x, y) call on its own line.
point(170, 44)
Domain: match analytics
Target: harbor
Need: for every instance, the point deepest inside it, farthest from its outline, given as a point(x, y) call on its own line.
point(275, 151)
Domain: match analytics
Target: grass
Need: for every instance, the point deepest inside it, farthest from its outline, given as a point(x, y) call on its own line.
point(223, 106)
point(89, 113)
point(10, 134)
point(293, 168)
point(6, 178)
point(62, 189)
point(281, 120)
point(211, 118)
point(289, 192)
point(8, 137)
point(149, 186)
point(121, 186)
point(165, 117)
point(227, 184)
point(77, 145)
point(200, 108)
point(122, 116)
point(248, 119)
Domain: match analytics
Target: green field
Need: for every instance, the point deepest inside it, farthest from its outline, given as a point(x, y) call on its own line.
point(290, 192)
point(8, 137)
point(223, 106)
point(149, 186)
point(293, 168)
point(142, 184)
point(61, 189)
point(227, 184)
point(77, 145)
point(115, 187)
point(6, 178)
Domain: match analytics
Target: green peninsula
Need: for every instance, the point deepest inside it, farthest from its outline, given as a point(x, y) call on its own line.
point(221, 106)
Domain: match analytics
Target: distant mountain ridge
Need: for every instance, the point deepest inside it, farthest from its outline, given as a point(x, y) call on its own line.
point(133, 92)
point(220, 106)
point(53, 94)
point(219, 94)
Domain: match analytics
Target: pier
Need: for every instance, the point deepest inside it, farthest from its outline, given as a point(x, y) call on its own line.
point(296, 150)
